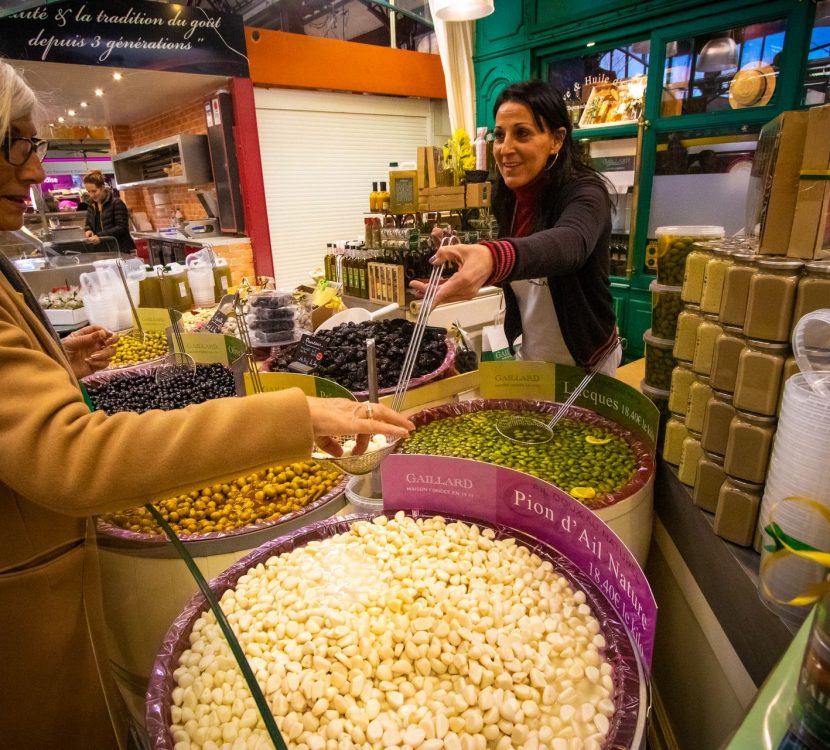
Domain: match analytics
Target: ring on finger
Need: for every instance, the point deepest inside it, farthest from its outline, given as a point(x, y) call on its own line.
point(368, 411)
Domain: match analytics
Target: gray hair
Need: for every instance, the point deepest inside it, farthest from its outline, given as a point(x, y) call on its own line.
point(16, 98)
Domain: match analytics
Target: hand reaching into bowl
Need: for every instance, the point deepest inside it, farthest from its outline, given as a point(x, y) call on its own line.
point(332, 417)
point(89, 349)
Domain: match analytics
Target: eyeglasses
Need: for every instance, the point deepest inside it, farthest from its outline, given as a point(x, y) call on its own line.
point(17, 150)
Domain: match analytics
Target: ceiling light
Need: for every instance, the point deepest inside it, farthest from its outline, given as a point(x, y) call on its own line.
point(99, 92)
point(462, 10)
point(84, 104)
point(117, 76)
point(590, 44)
point(61, 119)
point(70, 112)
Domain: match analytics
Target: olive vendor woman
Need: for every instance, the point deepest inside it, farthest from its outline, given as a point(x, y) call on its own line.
point(60, 463)
point(554, 217)
point(106, 215)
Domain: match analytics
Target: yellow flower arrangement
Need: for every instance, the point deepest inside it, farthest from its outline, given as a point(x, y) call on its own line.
point(459, 155)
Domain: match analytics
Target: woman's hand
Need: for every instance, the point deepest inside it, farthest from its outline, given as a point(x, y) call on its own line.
point(89, 349)
point(92, 237)
point(475, 266)
point(331, 417)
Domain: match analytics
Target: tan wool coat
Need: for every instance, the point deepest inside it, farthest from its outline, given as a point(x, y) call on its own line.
point(59, 464)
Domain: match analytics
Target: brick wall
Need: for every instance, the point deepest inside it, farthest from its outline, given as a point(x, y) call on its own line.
point(159, 202)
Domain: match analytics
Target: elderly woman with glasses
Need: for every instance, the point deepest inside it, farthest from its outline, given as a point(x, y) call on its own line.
point(61, 463)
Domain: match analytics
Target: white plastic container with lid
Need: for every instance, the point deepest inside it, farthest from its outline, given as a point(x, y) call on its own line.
point(200, 278)
point(674, 243)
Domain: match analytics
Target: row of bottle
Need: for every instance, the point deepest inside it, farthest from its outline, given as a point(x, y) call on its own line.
point(379, 199)
point(349, 264)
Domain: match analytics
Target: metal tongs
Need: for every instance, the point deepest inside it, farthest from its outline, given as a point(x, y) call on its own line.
point(137, 332)
point(531, 431)
point(420, 325)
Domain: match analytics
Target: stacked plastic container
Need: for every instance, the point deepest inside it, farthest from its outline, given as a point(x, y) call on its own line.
point(104, 296)
point(674, 243)
point(797, 492)
point(275, 318)
point(733, 358)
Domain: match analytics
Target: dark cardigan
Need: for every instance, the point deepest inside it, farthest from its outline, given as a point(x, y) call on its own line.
point(113, 220)
point(573, 256)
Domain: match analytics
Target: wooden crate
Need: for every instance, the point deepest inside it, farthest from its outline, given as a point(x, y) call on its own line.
point(387, 283)
point(441, 198)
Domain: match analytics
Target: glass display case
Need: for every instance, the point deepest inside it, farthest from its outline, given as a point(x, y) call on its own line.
point(732, 68)
point(816, 84)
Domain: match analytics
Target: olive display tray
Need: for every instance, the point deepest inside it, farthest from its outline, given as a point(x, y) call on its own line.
point(631, 687)
point(443, 370)
point(643, 457)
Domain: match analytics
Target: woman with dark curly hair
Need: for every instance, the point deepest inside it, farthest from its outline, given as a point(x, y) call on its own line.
point(552, 259)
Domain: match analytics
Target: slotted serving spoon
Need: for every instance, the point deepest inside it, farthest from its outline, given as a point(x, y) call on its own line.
point(176, 362)
point(137, 332)
point(532, 431)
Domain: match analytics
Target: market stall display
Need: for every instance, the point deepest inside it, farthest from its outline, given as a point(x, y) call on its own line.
point(64, 305)
point(590, 457)
point(255, 499)
point(447, 669)
point(344, 355)
point(138, 390)
point(130, 350)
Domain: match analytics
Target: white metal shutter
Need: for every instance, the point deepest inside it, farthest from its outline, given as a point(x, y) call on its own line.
point(320, 154)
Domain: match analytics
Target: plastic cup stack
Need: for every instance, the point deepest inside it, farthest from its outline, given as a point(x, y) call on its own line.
point(799, 469)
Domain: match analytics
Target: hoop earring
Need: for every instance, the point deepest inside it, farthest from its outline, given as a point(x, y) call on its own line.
point(550, 166)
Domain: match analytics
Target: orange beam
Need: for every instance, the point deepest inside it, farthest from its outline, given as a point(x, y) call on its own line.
point(278, 58)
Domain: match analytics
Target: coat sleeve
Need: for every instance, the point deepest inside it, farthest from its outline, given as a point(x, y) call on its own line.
point(120, 218)
point(56, 453)
point(90, 218)
point(566, 246)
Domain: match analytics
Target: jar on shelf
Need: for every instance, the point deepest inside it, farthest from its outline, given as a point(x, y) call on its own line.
point(728, 347)
point(673, 247)
point(675, 434)
point(748, 446)
point(736, 515)
point(713, 277)
point(684, 341)
point(658, 396)
point(659, 361)
point(690, 455)
point(665, 307)
point(771, 301)
point(699, 393)
point(790, 369)
point(693, 275)
point(710, 477)
point(736, 289)
point(707, 333)
point(682, 378)
point(716, 421)
point(813, 291)
point(758, 380)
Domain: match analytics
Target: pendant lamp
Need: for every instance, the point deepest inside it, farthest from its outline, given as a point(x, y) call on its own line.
point(462, 10)
point(718, 55)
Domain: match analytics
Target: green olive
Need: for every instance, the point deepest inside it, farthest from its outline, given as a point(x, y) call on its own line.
point(568, 460)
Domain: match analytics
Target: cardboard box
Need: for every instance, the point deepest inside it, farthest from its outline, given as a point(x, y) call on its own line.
point(479, 194)
point(774, 181)
point(810, 226)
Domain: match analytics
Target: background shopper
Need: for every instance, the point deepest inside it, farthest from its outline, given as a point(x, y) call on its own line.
point(106, 214)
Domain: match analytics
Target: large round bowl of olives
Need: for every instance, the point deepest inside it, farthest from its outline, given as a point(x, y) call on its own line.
point(590, 457)
point(271, 496)
point(344, 355)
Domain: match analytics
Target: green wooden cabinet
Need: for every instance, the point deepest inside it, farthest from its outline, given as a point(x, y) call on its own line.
point(492, 76)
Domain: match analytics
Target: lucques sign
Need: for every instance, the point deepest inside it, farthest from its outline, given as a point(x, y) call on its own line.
point(125, 34)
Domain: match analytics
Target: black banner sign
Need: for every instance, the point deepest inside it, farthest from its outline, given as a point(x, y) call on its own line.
point(128, 34)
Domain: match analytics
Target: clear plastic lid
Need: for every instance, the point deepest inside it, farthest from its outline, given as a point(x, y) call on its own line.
point(692, 230)
point(651, 392)
point(811, 347)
